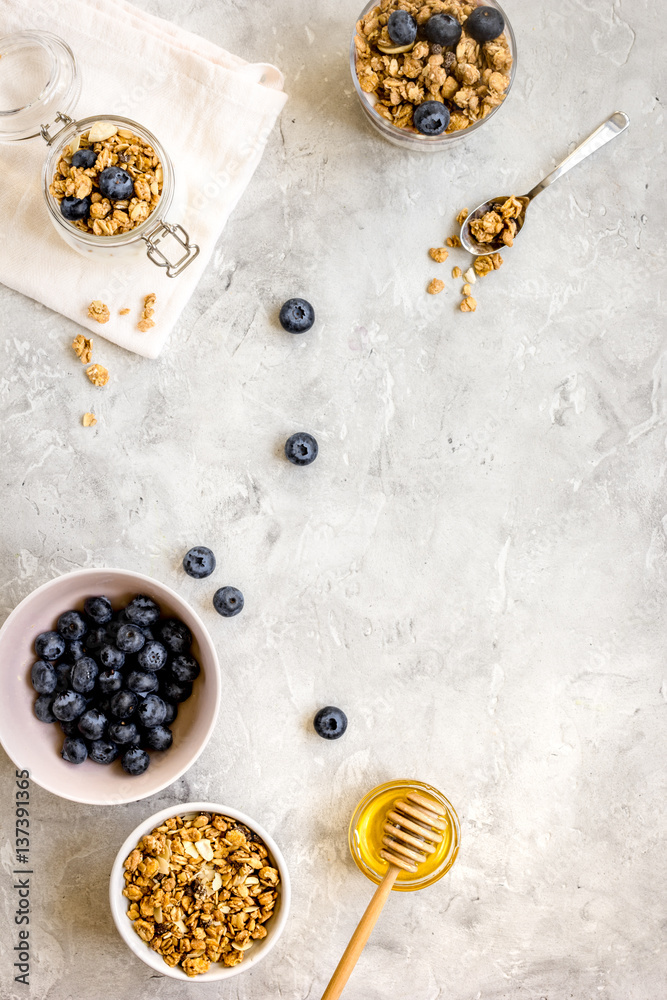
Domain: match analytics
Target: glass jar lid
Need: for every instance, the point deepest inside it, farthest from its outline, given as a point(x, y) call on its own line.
point(39, 79)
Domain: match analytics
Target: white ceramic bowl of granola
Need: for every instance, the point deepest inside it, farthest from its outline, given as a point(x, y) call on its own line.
point(120, 904)
point(410, 138)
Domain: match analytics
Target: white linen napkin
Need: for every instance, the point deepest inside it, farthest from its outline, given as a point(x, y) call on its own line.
point(212, 112)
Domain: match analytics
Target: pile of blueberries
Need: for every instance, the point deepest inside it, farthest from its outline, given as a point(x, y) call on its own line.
point(114, 680)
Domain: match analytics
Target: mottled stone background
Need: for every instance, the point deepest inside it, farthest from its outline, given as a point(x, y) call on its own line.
point(475, 568)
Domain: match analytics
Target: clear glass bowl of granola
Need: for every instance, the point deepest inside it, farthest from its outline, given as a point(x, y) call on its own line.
point(471, 79)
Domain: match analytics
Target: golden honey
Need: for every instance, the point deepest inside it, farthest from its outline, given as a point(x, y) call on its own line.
point(366, 833)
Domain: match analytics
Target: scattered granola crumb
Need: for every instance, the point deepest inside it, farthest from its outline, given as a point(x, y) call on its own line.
point(83, 348)
point(435, 286)
point(456, 272)
point(123, 312)
point(89, 420)
point(97, 374)
point(470, 276)
point(468, 305)
point(147, 321)
point(97, 310)
point(438, 254)
point(484, 265)
point(453, 241)
point(462, 216)
point(466, 290)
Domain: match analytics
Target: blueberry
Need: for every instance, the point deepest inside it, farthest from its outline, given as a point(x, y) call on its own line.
point(44, 677)
point(228, 601)
point(175, 635)
point(74, 208)
point(297, 316)
point(171, 711)
point(431, 118)
point(49, 646)
point(158, 738)
point(173, 691)
point(142, 610)
point(116, 183)
point(442, 29)
point(74, 750)
point(199, 562)
point(84, 158)
point(130, 639)
point(96, 638)
point(98, 609)
point(84, 675)
point(111, 658)
point(103, 751)
point(153, 656)
point(64, 674)
point(110, 681)
point(485, 24)
point(301, 448)
point(330, 723)
point(70, 728)
point(43, 708)
point(185, 668)
point(112, 629)
point(123, 704)
point(141, 682)
point(152, 711)
point(148, 633)
point(75, 649)
point(135, 761)
point(71, 625)
point(123, 732)
point(68, 705)
point(92, 723)
point(402, 27)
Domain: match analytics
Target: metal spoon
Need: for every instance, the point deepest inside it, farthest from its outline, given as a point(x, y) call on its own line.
point(613, 126)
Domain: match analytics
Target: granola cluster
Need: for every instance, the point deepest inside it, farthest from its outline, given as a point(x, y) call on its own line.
point(201, 890)
point(470, 79)
point(147, 313)
point(498, 225)
point(114, 147)
point(481, 266)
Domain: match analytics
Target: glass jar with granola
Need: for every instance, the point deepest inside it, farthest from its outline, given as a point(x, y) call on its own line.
point(428, 72)
point(108, 183)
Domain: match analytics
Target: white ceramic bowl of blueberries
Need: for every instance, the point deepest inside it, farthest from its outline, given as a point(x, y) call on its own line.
point(110, 686)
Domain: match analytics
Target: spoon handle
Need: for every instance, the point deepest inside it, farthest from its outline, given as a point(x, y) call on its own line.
point(613, 126)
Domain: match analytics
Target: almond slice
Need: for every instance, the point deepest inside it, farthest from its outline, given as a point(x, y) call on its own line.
point(216, 884)
point(393, 50)
point(189, 848)
point(205, 849)
point(162, 866)
point(101, 131)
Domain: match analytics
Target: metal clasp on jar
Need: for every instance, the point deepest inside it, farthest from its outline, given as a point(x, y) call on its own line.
point(157, 235)
point(44, 129)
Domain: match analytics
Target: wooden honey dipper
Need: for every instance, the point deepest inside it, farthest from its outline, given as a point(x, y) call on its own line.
point(412, 827)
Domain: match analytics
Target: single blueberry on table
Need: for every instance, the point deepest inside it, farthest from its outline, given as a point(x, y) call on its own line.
point(96, 638)
point(111, 658)
point(228, 601)
point(142, 610)
point(431, 118)
point(74, 750)
point(74, 208)
point(103, 751)
point(43, 677)
point(68, 705)
point(84, 674)
point(98, 609)
point(49, 646)
point(297, 316)
point(123, 704)
point(123, 733)
point(142, 682)
point(130, 639)
point(301, 448)
point(152, 711)
point(135, 761)
point(71, 625)
point(158, 738)
point(92, 723)
point(75, 649)
point(172, 691)
point(442, 29)
point(115, 183)
point(330, 723)
point(485, 24)
point(153, 656)
point(43, 708)
point(402, 27)
point(199, 562)
point(84, 158)
point(175, 635)
point(184, 668)
point(110, 681)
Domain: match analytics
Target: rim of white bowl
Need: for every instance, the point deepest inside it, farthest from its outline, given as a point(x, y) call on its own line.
point(130, 574)
point(119, 904)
